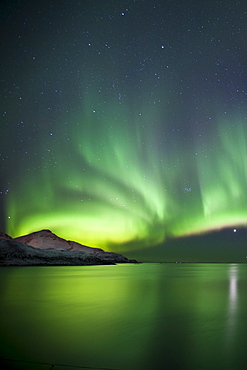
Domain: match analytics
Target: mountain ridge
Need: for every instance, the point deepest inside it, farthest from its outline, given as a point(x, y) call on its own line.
point(45, 248)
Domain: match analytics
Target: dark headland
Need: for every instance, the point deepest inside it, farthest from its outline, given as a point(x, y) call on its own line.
point(43, 248)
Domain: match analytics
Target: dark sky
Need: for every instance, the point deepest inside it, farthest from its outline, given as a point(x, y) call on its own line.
point(123, 123)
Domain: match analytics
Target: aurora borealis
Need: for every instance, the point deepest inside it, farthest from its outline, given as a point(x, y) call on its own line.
point(123, 122)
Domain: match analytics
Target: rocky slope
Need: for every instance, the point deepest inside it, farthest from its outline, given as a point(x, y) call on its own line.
point(45, 248)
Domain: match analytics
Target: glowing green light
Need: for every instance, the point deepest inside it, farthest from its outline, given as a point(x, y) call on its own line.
point(120, 183)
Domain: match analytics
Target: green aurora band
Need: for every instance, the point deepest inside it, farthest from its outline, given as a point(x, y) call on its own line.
point(120, 183)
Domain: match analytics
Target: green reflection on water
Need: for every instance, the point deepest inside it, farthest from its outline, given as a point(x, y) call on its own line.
point(182, 316)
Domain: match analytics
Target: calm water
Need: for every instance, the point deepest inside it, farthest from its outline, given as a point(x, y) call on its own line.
point(148, 316)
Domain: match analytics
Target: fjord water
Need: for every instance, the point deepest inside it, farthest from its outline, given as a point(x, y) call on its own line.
point(147, 316)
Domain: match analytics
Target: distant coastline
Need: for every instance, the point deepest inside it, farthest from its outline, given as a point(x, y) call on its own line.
point(43, 248)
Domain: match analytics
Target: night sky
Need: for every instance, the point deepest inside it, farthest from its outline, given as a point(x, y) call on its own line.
point(124, 123)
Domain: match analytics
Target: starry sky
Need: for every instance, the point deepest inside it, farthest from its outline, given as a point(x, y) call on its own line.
point(123, 123)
